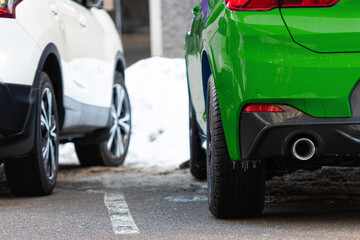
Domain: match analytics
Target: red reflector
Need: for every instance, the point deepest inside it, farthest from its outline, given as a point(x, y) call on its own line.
point(262, 108)
point(7, 8)
point(265, 5)
point(308, 3)
point(251, 5)
point(5, 12)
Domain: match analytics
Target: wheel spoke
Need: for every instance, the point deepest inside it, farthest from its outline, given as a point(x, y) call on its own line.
point(43, 122)
point(53, 132)
point(117, 97)
point(45, 152)
point(125, 126)
point(52, 160)
point(111, 138)
point(120, 100)
point(126, 118)
point(121, 116)
point(49, 101)
point(113, 112)
point(119, 143)
point(44, 113)
point(124, 123)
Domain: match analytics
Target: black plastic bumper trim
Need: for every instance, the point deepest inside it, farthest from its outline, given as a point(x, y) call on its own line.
point(18, 119)
point(269, 135)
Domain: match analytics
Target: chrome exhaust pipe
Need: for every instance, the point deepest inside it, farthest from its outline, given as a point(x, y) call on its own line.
point(303, 149)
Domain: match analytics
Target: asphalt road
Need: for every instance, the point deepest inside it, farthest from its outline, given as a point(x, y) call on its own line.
point(120, 203)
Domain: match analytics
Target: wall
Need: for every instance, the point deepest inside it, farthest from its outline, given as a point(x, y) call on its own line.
point(176, 18)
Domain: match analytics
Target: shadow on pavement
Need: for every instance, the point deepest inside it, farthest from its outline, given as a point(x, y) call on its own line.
point(327, 193)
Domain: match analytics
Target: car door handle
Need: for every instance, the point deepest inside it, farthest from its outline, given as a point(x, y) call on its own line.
point(82, 22)
point(54, 10)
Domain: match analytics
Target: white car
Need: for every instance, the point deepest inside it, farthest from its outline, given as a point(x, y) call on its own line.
point(61, 80)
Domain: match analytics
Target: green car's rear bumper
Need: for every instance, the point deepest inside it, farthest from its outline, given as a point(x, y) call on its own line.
point(273, 135)
point(254, 60)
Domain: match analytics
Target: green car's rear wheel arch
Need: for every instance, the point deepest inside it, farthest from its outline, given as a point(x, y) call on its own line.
point(197, 154)
point(235, 190)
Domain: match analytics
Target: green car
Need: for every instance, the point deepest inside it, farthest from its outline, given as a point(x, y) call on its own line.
point(273, 87)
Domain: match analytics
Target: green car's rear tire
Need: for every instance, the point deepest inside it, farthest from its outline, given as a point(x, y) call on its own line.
point(235, 190)
point(197, 154)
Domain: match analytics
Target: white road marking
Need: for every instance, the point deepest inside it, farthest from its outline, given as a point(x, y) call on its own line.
point(196, 198)
point(120, 216)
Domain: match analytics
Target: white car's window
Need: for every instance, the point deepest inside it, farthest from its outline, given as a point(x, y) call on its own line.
point(79, 1)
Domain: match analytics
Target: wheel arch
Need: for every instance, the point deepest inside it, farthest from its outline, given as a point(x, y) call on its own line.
point(210, 60)
point(50, 62)
point(205, 73)
point(120, 64)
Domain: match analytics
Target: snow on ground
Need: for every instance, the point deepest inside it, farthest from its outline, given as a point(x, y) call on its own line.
point(158, 94)
point(67, 154)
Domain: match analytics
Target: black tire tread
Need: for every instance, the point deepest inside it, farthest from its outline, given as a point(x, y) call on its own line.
point(89, 155)
point(26, 176)
point(235, 192)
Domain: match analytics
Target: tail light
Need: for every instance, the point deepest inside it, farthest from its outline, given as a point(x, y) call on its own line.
point(7, 8)
point(262, 108)
point(308, 3)
point(265, 5)
point(251, 5)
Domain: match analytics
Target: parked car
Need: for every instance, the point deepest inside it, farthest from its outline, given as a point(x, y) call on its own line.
point(273, 87)
point(62, 80)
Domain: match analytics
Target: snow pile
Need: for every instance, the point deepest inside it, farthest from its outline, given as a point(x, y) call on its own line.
point(67, 154)
point(158, 96)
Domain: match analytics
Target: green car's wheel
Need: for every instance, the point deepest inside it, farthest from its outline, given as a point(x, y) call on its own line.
point(234, 189)
point(197, 154)
point(36, 175)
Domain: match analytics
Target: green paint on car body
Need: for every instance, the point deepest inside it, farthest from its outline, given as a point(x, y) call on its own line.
point(333, 29)
point(256, 57)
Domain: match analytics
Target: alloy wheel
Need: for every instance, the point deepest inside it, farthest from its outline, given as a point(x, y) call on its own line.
point(120, 130)
point(48, 133)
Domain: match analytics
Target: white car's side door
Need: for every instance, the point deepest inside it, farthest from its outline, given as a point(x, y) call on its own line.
point(88, 76)
point(98, 72)
point(72, 53)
